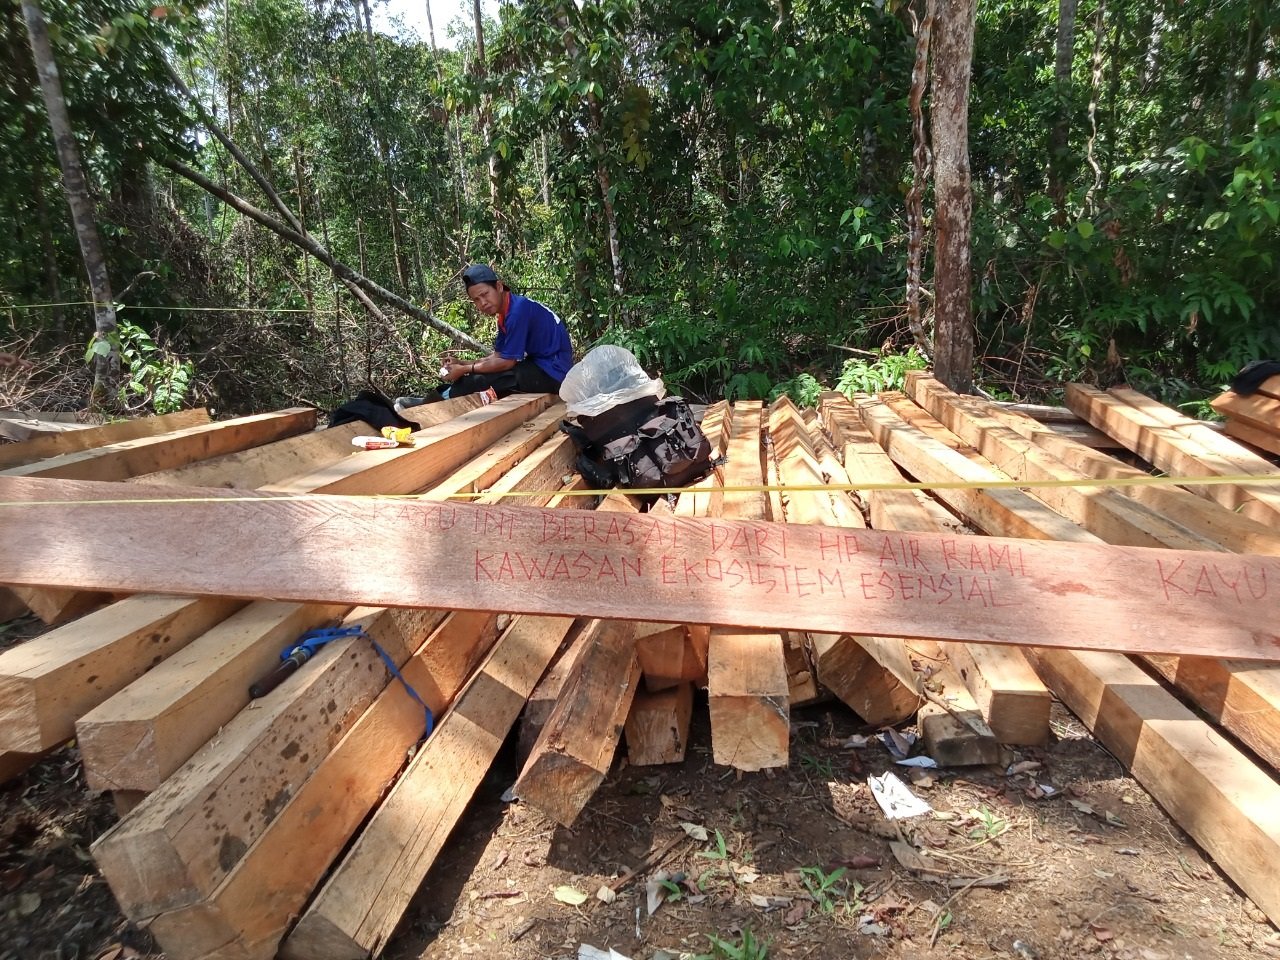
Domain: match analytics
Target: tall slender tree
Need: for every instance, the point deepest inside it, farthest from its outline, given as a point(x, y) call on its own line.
point(597, 139)
point(106, 352)
point(384, 151)
point(952, 65)
point(920, 173)
point(484, 123)
point(1060, 133)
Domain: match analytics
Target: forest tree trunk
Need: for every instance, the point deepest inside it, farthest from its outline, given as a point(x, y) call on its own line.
point(920, 162)
point(952, 44)
point(606, 195)
point(1253, 49)
point(446, 125)
point(1059, 136)
point(485, 122)
point(384, 150)
point(597, 139)
point(300, 181)
point(106, 367)
point(1095, 91)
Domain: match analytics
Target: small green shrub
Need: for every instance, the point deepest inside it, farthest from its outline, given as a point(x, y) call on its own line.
point(888, 372)
point(155, 377)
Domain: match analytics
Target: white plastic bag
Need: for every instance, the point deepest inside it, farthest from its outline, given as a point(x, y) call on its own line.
point(896, 801)
point(607, 376)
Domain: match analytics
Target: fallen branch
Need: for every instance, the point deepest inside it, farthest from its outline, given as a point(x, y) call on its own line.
point(340, 269)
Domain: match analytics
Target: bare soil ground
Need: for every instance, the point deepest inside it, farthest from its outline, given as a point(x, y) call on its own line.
point(798, 862)
point(1098, 870)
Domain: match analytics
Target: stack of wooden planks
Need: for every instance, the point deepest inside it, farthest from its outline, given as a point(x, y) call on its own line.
point(26, 425)
point(302, 823)
point(1253, 419)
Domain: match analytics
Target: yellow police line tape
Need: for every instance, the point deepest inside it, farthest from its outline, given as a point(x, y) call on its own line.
point(122, 307)
point(662, 491)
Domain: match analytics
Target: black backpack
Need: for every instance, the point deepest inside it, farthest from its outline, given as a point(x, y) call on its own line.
point(371, 406)
point(1252, 375)
point(639, 444)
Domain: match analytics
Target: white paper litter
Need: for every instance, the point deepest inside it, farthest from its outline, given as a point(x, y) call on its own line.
point(896, 801)
point(656, 891)
point(695, 830)
point(898, 744)
point(868, 926)
point(1022, 766)
point(927, 763)
point(588, 952)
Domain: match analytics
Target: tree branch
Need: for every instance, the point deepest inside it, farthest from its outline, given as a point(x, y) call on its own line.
point(340, 269)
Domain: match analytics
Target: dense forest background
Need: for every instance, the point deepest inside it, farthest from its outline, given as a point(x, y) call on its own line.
point(723, 186)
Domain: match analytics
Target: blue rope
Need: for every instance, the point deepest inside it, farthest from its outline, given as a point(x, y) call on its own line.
point(313, 640)
point(395, 672)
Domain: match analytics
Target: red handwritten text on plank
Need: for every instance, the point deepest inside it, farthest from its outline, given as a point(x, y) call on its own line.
point(590, 529)
point(1218, 581)
point(774, 559)
point(726, 572)
point(515, 565)
point(782, 578)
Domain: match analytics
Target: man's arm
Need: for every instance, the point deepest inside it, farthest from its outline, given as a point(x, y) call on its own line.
point(493, 363)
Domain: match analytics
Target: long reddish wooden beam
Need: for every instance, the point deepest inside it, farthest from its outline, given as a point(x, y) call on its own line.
point(640, 567)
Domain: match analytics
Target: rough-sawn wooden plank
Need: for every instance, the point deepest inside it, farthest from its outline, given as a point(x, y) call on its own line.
point(723, 572)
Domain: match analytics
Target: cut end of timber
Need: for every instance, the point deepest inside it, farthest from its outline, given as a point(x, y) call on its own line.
point(658, 726)
point(748, 696)
point(127, 745)
point(558, 785)
point(959, 739)
point(861, 682)
point(753, 736)
point(19, 719)
point(668, 655)
point(55, 605)
point(577, 746)
point(140, 870)
point(196, 931)
point(316, 938)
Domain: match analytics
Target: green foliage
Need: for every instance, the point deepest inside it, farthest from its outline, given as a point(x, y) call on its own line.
point(887, 372)
point(746, 947)
point(672, 891)
point(747, 161)
point(751, 385)
point(802, 388)
point(721, 850)
point(119, 97)
point(988, 825)
point(672, 344)
point(1155, 263)
point(723, 294)
point(155, 378)
point(821, 766)
point(830, 891)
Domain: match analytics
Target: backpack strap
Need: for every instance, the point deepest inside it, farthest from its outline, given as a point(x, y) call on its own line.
point(579, 436)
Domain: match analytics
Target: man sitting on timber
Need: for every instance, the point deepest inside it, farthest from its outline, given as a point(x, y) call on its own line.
point(531, 352)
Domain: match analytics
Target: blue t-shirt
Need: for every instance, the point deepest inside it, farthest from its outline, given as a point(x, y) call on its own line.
point(533, 331)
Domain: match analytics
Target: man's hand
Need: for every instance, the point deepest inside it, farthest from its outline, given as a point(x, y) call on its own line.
point(457, 371)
